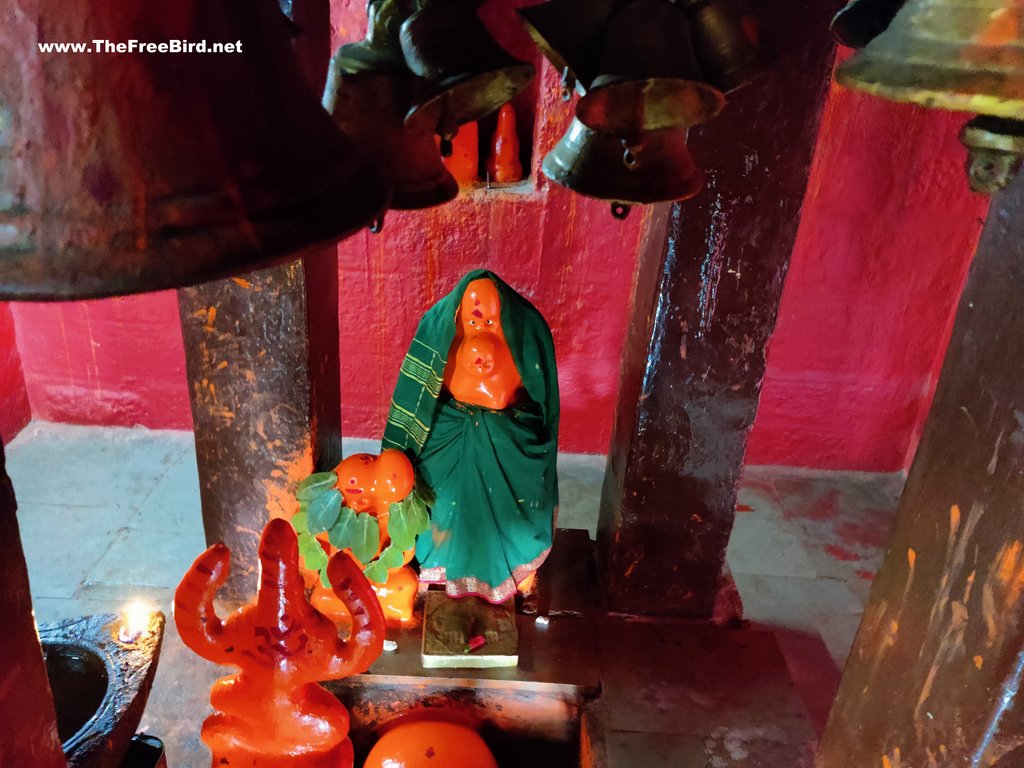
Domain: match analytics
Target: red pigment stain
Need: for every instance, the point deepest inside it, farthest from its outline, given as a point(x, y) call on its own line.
point(841, 554)
point(825, 508)
point(866, 575)
point(477, 313)
point(744, 508)
point(870, 533)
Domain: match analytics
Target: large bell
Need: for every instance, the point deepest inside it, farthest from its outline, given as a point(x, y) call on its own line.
point(862, 21)
point(963, 55)
point(725, 42)
point(657, 168)
point(370, 108)
point(570, 34)
point(126, 172)
point(649, 74)
point(467, 74)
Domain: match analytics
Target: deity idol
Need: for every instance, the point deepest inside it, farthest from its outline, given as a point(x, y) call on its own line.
point(476, 409)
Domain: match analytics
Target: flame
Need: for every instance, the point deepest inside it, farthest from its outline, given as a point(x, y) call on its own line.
point(135, 620)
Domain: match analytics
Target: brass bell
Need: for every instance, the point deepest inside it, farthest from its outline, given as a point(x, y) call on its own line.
point(963, 55)
point(466, 74)
point(649, 75)
point(995, 152)
point(657, 167)
point(370, 108)
point(570, 34)
point(380, 50)
point(862, 21)
point(725, 42)
point(130, 172)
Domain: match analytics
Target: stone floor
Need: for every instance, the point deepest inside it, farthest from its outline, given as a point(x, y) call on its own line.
point(113, 514)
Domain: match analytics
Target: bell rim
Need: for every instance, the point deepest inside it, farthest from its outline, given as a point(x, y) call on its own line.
point(305, 219)
point(927, 86)
point(438, 191)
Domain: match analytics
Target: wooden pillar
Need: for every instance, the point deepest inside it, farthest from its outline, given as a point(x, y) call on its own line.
point(935, 674)
point(28, 736)
point(709, 281)
point(262, 356)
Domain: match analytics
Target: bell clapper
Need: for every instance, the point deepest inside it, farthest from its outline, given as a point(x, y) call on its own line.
point(630, 155)
point(620, 211)
point(377, 225)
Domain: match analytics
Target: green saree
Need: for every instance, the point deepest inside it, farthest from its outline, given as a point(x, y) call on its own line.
point(491, 474)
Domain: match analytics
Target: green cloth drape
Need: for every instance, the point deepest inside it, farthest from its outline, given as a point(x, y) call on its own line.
point(492, 474)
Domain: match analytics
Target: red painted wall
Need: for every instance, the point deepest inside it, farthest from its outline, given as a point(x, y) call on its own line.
point(117, 361)
point(14, 406)
point(888, 230)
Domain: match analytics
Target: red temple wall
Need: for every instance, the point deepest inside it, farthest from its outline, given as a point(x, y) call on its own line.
point(887, 232)
point(14, 405)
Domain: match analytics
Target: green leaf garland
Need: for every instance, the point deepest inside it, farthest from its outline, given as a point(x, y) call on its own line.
point(322, 510)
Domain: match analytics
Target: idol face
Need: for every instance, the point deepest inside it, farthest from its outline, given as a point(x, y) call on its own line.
point(481, 370)
point(372, 483)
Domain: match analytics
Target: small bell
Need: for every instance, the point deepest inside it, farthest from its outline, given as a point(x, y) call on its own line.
point(995, 150)
point(862, 21)
point(725, 42)
point(570, 34)
point(649, 75)
point(466, 74)
point(504, 165)
point(962, 55)
point(381, 50)
point(658, 167)
point(370, 108)
point(464, 161)
point(129, 173)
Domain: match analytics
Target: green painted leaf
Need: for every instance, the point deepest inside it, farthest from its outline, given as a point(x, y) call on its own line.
point(398, 528)
point(418, 515)
point(324, 580)
point(315, 558)
point(340, 534)
point(300, 522)
point(392, 557)
point(376, 571)
point(324, 511)
point(365, 537)
point(314, 485)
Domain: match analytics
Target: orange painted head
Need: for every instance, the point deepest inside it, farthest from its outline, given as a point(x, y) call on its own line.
point(372, 483)
point(429, 744)
point(480, 369)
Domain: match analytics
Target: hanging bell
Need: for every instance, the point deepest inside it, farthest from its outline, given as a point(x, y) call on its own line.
point(862, 21)
point(658, 167)
point(570, 34)
point(370, 108)
point(962, 55)
point(995, 152)
point(380, 50)
point(725, 42)
point(649, 75)
point(130, 172)
point(466, 74)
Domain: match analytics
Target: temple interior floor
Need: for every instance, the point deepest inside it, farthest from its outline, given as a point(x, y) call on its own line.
point(110, 514)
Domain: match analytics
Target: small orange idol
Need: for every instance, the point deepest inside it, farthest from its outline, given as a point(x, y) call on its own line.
point(372, 484)
point(272, 713)
point(503, 165)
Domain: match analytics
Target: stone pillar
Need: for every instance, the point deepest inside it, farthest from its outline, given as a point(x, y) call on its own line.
point(262, 356)
point(935, 673)
point(707, 292)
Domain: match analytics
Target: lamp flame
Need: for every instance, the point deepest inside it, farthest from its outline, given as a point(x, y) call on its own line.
point(135, 620)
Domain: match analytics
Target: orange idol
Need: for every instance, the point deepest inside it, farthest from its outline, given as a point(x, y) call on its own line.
point(366, 511)
point(272, 713)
